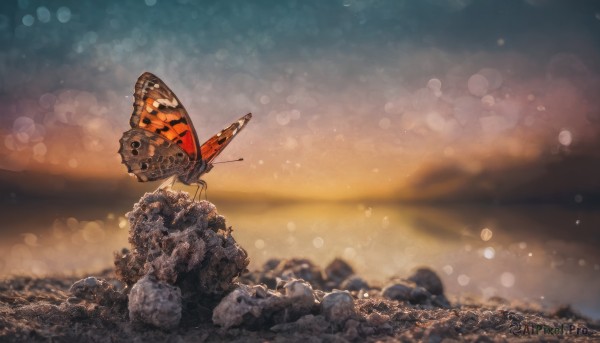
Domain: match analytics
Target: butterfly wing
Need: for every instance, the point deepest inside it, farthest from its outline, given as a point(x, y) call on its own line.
point(213, 147)
point(162, 141)
point(151, 157)
point(156, 109)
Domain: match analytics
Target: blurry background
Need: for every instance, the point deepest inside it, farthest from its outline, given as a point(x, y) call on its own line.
point(459, 134)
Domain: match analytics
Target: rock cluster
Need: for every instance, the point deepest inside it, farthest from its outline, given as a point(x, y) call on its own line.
point(424, 287)
point(337, 275)
point(184, 265)
point(256, 306)
point(182, 258)
point(306, 298)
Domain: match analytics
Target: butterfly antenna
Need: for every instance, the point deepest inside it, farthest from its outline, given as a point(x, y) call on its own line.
point(238, 160)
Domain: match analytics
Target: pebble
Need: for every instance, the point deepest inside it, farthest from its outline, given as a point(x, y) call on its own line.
point(397, 291)
point(429, 280)
point(156, 303)
point(354, 283)
point(337, 306)
point(301, 293)
point(338, 270)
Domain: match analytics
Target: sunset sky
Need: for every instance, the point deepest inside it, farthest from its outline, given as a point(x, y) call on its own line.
point(351, 99)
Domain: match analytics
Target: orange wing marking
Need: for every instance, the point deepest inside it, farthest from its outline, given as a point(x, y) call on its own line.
point(169, 123)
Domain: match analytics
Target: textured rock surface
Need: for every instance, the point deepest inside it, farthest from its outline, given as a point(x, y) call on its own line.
point(99, 291)
point(183, 260)
point(424, 287)
point(43, 310)
point(155, 302)
point(183, 243)
point(300, 269)
point(354, 283)
point(397, 291)
point(336, 272)
point(429, 280)
point(251, 306)
point(179, 241)
point(301, 294)
point(337, 306)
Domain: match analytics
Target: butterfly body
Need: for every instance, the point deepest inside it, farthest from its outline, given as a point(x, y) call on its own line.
point(162, 141)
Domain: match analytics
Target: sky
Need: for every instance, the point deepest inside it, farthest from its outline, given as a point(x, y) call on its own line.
point(352, 99)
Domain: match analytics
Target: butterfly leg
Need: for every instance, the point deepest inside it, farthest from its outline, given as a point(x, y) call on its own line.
point(205, 185)
point(196, 193)
point(202, 186)
point(168, 183)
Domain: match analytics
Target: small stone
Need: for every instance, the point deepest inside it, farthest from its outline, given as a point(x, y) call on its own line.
point(299, 269)
point(236, 307)
point(90, 281)
point(428, 279)
point(156, 303)
point(338, 270)
point(252, 306)
point(398, 291)
point(354, 283)
point(98, 291)
point(301, 294)
point(74, 300)
point(271, 264)
point(173, 236)
point(376, 319)
point(337, 306)
point(419, 295)
point(261, 292)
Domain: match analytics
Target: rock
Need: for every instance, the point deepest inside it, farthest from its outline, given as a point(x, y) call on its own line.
point(375, 319)
point(156, 303)
point(338, 270)
point(337, 306)
point(397, 291)
point(253, 306)
point(184, 243)
point(429, 280)
point(271, 264)
point(301, 294)
point(408, 291)
point(172, 235)
point(267, 275)
point(354, 283)
point(423, 287)
point(566, 311)
point(300, 269)
point(98, 291)
point(419, 295)
point(237, 306)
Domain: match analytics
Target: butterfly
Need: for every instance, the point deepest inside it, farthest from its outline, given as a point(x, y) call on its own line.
point(162, 142)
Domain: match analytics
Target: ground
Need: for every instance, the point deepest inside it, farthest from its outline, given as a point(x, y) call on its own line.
point(42, 309)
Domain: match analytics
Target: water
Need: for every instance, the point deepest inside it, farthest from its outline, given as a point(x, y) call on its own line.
point(543, 255)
